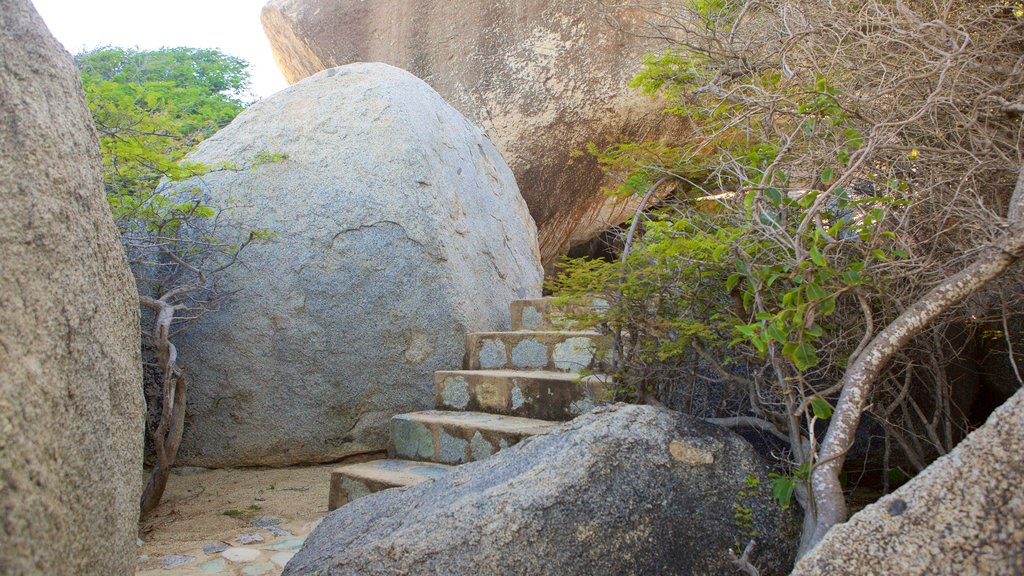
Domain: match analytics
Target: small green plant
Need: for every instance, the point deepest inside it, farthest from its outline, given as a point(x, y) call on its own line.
point(236, 513)
point(743, 515)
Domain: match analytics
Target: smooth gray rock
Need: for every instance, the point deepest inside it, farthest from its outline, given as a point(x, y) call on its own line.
point(625, 490)
point(963, 515)
point(71, 407)
point(399, 228)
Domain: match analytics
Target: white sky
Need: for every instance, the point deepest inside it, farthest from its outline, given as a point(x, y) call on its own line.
point(232, 26)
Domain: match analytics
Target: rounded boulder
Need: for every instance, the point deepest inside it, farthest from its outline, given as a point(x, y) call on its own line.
point(398, 228)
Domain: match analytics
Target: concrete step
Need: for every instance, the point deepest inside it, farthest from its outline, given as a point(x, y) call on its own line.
point(543, 314)
point(358, 480)
point(458, 437)
point(531, 350)
point(531, 314)
point(546, 395)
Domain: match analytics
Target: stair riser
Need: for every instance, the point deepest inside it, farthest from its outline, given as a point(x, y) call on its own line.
point(527, 397)
point(444, 444)
point(525, 351)
point(345, 489)
point(531, 314)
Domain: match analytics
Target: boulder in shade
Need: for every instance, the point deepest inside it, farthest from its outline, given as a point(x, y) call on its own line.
point(71, 406)
point(622, 490)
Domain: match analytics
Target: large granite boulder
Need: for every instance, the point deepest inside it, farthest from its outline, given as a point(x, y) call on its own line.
point(542, 78)
point(71, 407)
point(399, 228)
point(623, 490)
point(963, 515)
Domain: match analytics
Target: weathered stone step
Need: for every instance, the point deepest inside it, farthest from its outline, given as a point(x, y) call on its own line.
point(358, 480)
point(543, 314)
point(546, 395)
point(458, 437)
point(533, 314)
point(528, 350)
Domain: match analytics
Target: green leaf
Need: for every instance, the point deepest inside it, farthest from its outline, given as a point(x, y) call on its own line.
point(731, 282)
point(826, 175)
point(782, 490)
point(774, 196)
point(827, 306)
point(817, 257)
point(804, 356)
point(821, 408)
point(816, 292)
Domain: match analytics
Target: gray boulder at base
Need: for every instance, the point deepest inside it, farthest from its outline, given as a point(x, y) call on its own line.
point(71, 408)
point(963, 515)
point(399, 229)
point(542, 78)
point(625, 490)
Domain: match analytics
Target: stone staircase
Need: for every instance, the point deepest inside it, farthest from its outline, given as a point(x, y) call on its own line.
point(514, 385)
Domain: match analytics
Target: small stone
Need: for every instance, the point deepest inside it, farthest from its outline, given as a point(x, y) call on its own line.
point(278, 531)
point(493, 354)
point(139, 542)
point(530, 354)
point(532, 318)
point(175, 561)
point(213, 566)
point(248, 538)
point(480, 447)
point(266, 521)
point(215, 548)
point(241, 554)
point(282, 558)
point(452, 449)
point(456, 392)
point(287, 545)
point(574, 354)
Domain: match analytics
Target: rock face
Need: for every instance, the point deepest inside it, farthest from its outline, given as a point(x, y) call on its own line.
point(625, 490)
point(399, 229)
point(71, 408)
point(542, 78)
point(963, 515)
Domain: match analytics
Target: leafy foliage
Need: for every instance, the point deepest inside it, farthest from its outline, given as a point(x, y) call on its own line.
point(151, 108)
point(836, 171)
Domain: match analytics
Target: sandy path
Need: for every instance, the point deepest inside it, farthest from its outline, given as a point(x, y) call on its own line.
point(191, 516)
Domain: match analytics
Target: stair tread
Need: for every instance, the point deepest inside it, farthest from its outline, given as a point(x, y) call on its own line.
point(482, 421)
point(584, 333)
point(394, 471)
point(539, 374)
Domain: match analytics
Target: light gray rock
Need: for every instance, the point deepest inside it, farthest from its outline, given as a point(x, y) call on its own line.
point(963, 515)
point(399, 228)
point(626, 490)
point(542, 78)
point(71, 407)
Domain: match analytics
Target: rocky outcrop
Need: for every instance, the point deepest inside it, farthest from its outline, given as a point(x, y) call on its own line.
point(542, 78)
point(71, 408)
point(623, 490)
point(963, 515)
point(399, 228)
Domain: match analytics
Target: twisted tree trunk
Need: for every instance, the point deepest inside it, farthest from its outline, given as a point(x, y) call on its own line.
point(829, 506)
point(167, 435)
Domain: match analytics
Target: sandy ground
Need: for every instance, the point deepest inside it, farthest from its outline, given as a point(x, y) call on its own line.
point(191, 514)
